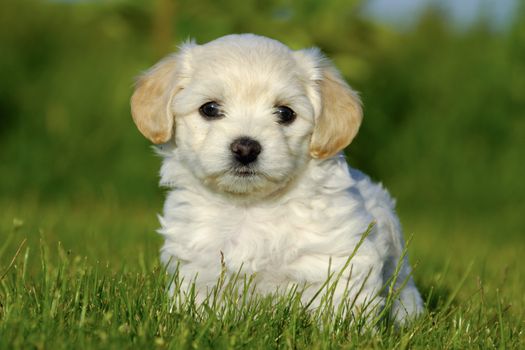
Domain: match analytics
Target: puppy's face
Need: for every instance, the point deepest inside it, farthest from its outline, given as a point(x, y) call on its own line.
point(243, 119)
point(245, 112)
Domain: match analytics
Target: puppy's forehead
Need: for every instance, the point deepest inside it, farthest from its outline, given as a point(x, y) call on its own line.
point(247, 48)
point(242, 58)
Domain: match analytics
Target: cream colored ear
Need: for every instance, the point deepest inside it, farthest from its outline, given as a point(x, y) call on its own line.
point(340, 117)
point(150, 103)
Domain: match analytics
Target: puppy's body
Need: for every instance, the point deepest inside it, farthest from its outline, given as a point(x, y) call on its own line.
point(257, 183)
point(291, 239)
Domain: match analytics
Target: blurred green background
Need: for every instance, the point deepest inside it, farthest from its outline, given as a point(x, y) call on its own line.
point(444, 125)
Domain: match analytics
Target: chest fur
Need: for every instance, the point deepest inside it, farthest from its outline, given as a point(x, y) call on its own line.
point(271, 238)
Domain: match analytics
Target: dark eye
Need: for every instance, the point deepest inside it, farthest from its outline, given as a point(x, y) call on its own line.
point(285, 114)
point(210, 110)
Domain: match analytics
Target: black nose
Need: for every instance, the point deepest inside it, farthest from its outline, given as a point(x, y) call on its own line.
point(245, 150)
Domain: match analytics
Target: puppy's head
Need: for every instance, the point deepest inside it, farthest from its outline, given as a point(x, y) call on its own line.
point(246, 113)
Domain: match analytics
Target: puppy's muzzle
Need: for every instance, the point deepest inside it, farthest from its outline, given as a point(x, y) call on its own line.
point(245, 150)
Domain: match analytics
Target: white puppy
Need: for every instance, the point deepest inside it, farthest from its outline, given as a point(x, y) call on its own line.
point(250, 132)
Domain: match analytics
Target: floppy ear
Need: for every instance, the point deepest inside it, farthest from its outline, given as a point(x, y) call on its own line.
point(150, 103)
point(338, 107)
point(340, 117)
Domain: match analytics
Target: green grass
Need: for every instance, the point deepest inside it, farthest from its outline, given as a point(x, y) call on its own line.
point(88, 276)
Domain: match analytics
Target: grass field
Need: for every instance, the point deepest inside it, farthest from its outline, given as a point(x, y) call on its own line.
point(88, 276)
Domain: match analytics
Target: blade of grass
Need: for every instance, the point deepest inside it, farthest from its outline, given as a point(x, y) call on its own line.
point(13, 259)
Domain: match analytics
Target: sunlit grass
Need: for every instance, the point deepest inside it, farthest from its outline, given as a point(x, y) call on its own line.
point(64, 295)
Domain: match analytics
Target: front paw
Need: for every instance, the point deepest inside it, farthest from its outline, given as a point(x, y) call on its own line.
point(407, 306)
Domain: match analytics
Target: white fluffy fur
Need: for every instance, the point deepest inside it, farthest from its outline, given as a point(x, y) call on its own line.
point(297, 216)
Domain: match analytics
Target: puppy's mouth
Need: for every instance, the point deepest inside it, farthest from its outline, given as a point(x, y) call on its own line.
point(242, 180)
point(243, 172)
